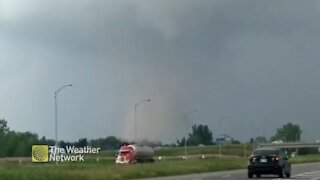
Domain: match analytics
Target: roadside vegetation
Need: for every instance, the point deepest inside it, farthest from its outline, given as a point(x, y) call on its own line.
point(231, 149)
point(106, 169)
point(305, 159)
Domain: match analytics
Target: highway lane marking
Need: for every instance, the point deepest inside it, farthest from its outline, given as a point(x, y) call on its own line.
point(226, 176)
point(311, 173)
point(315, 175)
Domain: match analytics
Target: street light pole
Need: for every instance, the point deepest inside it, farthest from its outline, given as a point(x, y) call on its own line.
point(220, 141)
point(135, 116)
point(185, 141)
point(56, 110)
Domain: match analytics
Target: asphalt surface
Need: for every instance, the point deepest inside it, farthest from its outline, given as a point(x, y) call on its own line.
point(310, 171)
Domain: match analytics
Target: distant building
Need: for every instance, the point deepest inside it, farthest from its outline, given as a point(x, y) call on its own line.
point(224, 139)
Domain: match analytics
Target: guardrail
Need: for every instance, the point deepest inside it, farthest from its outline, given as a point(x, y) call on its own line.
point(292, 145)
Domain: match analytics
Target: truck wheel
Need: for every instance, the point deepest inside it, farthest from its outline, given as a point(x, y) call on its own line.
point(250, 175)
point(281, 173)
point(288, 173)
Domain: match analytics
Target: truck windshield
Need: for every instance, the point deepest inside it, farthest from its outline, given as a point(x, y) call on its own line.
point(124, 152)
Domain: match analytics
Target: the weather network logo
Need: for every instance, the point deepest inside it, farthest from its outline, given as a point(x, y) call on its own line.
point(40, 153)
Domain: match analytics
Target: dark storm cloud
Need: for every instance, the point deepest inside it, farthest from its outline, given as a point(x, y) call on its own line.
point(239, 63)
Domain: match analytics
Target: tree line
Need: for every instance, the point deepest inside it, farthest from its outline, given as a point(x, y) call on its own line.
point(15, 144)
point(201, 134)
point(19, 144)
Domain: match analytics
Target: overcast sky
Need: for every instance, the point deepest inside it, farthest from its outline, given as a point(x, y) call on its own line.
point(247, 67)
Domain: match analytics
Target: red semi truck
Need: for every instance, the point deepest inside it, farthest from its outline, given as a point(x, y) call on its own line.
point(134, 154)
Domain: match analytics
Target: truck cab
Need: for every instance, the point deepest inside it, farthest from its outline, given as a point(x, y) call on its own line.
point(125, 155)
point(134, 154)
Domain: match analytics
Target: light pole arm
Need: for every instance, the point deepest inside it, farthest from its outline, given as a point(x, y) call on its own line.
point(139, 103)
point(58, 90)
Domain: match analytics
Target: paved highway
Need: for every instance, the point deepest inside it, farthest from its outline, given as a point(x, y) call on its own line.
point(310, 171)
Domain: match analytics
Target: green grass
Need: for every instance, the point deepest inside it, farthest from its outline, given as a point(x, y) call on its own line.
point(232, 149)
point(305, 159)
point(235, 150)
point(108, 170)
point(105, 168)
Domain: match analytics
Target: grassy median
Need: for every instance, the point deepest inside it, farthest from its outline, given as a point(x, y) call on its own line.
point(106, 169)
point(305, 159)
